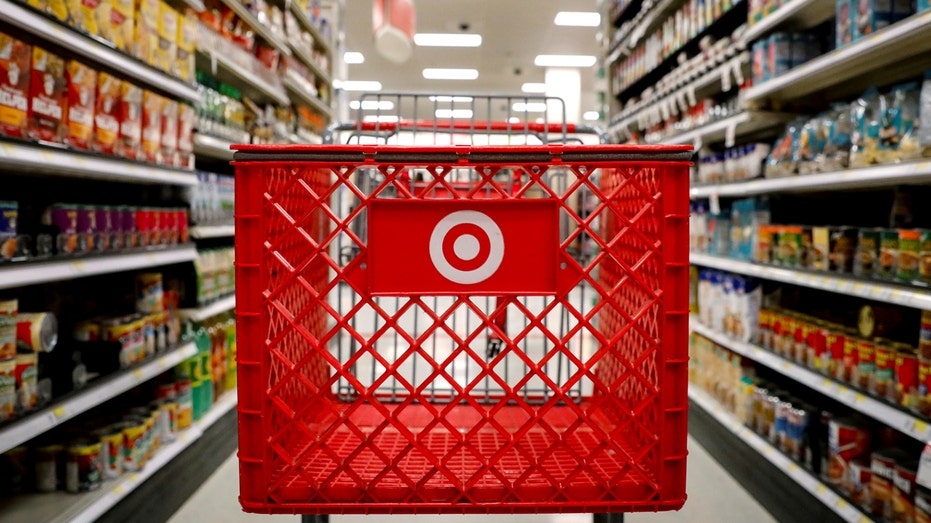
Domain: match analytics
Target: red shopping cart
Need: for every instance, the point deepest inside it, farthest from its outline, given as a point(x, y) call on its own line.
point(494, 322)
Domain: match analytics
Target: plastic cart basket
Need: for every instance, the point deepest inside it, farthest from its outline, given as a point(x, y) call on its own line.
point(462, 328)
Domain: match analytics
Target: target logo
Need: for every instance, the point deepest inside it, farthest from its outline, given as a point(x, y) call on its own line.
point(482, 247)
point(467, 247)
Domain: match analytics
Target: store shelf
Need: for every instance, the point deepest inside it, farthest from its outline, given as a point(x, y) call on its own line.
point(651, 15)
point(203, 232)
point(876, 176)
point(301, 52)
point(869, 56)
point(904, 295)
point(95, 50)
point(262, 30)
point(21, 274)
point(26, 157)
point(725, 130)
point(298, 86)
point(304, 20)
point(626, 13)
point(97, 393)
point(844, 509)
point(208, 311)
point(853, 398)
point(250, 84)
point(60, 507)
point(796, 14)
point(211, 147)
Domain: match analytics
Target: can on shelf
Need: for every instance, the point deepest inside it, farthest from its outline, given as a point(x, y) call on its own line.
point(883, 382)
point(843, 249)
point(133, 443)
point(7, 388)
point(781, 424)
point(36, 331)
point(882, 463)
point(803, 327)
point(156, 234)
point(27, 381)
point(64, 219)
point(88, 330)
point(185, 392)
point(905, 392)
point(143, 218)
point(83, 468)
point(9, 212)
point(888, 253)
point(182, 225)
point(48, 463)
point(128, 225)
point(87, 228)
point(834, 354)
point(105, 229)
point(821, 248)
point(9, 309)
point(766, 328)
point(111, 450)
point(866, 363)
point(169, 221)
point(795, 434)
point(848, 367)
point(848, 440)
point(909, 248)
point(903, 494)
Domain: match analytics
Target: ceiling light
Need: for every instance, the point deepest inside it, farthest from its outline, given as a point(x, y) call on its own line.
point(357, 85)
point(447, 40)
point(381, 119)
point(578, 19)
point(353, 57)
point(450, 74)
point(564, 60)
point(454, 113)
point(591, 116)
point(533, 87)
point(454, 99)
point(529, 107)
point(372, 105)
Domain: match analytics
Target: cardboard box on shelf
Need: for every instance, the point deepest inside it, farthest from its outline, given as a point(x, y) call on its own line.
point(151, 126)
point(167, 51)
point(82, 93)
point(107, 114)
point(48, 94)
point(15, 61)
point(145, 44)
point(131, 121)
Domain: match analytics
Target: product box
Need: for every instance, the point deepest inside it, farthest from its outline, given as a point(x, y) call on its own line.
point(169, 138)
point(872, 15)
point(779, 54)
point(821, 248)
point(843, 33)
point(151, 126)
point(60, 9)
point(145, 44)
point(15, 61)
point(48, 95)
point(83, 15)
point(924, 5)
point(167, 51)
point(107, 114)
point(186, 118)
point(130, 121)
point(760, 61)
point(82, 92)
point(187, 43)
point(115, 23)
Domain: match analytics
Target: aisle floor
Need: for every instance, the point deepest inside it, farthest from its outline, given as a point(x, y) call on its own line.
point(710, 489)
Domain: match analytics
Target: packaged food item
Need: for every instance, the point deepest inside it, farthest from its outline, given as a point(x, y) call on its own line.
point(146, 28)
point(820, 248)
point(47, 459)
point(888, 253)
point(866, 363)
point(83, 15)
point(924, 385)
point(903, 495)
point(848, 440)
point(187, 42)
point(107, 114)
point(14, 467)
point(169, 130)
point(111, 450)
point(843, 249)
point(873, 15)
point(87, 228)
point(864, 118)
point(790, 246)
point(8, 315)
point(867, 252)
point(924, 112)
point(131, 121)
point(143, 225)
point(860, 480)
point(186, 118)
point(882, 382)
point(909, 248)
point(149, 292)
point(15, 61)
point(152, 106)
point(82, 91)
point(810, 146)
point(899, 125)
point(84, 469)
point(36, 331)
point(848, 370)
point(924, 256)
point(834, 353)
point(781, 161)
point(123, 24)
point(156, 234)
point(9, 214)
point(7, 388)
point(130, 231)
point(181, 218)
point(48, 92)
point(27, 394)
point(881, 486)
point(133, 443)
point(167, 50)
point(905, 392)
point(836, 129)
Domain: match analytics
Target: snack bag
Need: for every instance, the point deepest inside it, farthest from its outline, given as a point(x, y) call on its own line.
point(122, 24)
point(41, 5)
point(130, 121)
point(107, 114)
point(151, 126)
point(187, 42)
point(836, 128)
point(146, 31)
point(807, 148)
point(844, 25)
point(167, 51)
point(865, 129)
point(782, 160)
point(82, 92)
point(15, 61)
point(899, 125)
point(169, 139)
point(48, 93)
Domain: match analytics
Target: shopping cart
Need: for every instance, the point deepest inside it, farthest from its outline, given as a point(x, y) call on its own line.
point(462, 316)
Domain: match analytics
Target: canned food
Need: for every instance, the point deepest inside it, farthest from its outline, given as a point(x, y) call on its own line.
point(790, 246)
point(834, 353)
point(924, 257)
point(182, 226)
point(803, 327)
point(87, 228)
point(9, 214)
point(866, 363)
point(7, 388)
point(63, 218)
point(781, 424)
point(848, 368)
point(922, 505)
point(8, 312)
point(765, 244)
point(87, 331)
point(169, 221)
point(765, 327)
point(807, 252)
point(27, 389)
point(167, 425)
point(909, 246)
point(149, 292)
point(848, 440)
point(36, 331)
point(48, 461)
point(133, 443)
point(143, 223)
point(888, 253)
point(906, 377)
point(128, 226)
point(882, 464)
point(105, 229)
point(867, 259)
point(821, 248)
point(843, 249)
point(185, 393)
point(817, 346)
point(111, 450)
point(924, 385)
point(795, 434)
point(156, 234)
point(83, 469)
point(14, 470)
point(129, 334)
point(860, 479)
point(903, 495)
point(883, 382)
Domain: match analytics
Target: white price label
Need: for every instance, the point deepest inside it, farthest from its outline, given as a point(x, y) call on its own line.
point(691, 94)
point(730, 135)
point(714, 203)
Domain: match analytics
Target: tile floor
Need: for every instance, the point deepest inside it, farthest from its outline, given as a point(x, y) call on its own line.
point(711, 491)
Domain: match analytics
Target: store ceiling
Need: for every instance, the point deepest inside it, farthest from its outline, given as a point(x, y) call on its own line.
point(514, 32)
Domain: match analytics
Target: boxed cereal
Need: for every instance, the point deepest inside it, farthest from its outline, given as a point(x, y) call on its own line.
point(15, 58)
point(131, 121)
point(107, 114)
point(169, 139)
point(151, 126)
point(186, 117)
point(48, 94)
point(167, 50)
point(187, 43)
point(146, 31)
point(873, 15)
point(844, 27)
point(82, 92)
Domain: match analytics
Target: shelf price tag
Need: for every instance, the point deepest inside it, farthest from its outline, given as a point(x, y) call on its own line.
point(920, 426)
point(59, 411)
point(841, 503)
point(138, 374)
point(730, 135)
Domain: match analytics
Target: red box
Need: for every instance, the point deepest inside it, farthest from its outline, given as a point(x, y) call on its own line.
point(15, 61)
point(451, 397)
point(82, 95)
point(48, 93)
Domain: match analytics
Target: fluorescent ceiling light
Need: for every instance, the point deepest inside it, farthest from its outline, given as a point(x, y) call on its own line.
point(358, 85)
point(454, 113)
point(372, 105)
point(463, 99)
point(578, 19)
point(564, 60)
point(533, 87)
point(450, 74)
point(590, 116)
point(529, 107)
point(353, 57)
point(447, 40)
point(380, 118)
point(513, 119)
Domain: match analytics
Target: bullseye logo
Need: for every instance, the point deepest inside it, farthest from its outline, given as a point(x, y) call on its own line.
point(466, 247)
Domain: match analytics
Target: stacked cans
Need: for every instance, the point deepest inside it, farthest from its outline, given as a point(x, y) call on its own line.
point(87, 228)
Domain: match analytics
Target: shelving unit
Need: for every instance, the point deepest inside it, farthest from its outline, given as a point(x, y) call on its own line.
point(868, 177)
point(249, 83)
point(904, 295)
point(298, 86)
point(203, 232)
point(798, 14)
point(897, 418)
point(210, 147)
point(726, 130)
point(305, 22)
point(219, 306)
point(96, 51)
point(60, 507)
point(263, 31)
point(797, 474)
point(301, 52)
point(95, 394)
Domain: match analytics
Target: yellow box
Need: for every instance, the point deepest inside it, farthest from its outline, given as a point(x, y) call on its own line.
point(167, 50)
point(83, 15)
point(59, 9)
point(146, 41)
point(187, 45)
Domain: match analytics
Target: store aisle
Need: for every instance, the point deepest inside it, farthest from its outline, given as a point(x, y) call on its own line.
point(710, 490)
